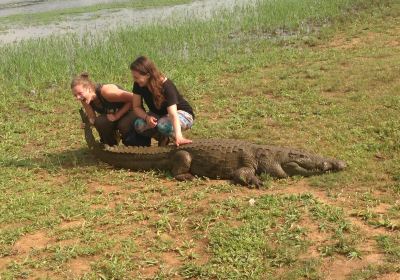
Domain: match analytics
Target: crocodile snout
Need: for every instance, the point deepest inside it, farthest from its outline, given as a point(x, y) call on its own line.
point(332, 166)
point(340, 165)
point(326, 166)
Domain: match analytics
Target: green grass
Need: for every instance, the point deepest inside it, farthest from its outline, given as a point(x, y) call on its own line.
point(318, 75)
point(58, 15)
point(253, 241)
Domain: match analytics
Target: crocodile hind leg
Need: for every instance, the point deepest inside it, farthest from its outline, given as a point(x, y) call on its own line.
point(246, 176)
point(182, 161)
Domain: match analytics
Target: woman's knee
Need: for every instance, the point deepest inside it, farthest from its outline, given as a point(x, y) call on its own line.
point(102, 123)
point(106, 130)
point(164, 126)
point(185, 120)
point(125, 123)
point(140, 125)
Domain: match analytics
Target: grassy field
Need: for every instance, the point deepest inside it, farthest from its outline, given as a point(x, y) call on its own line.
point(318, 75)
point(55, 16)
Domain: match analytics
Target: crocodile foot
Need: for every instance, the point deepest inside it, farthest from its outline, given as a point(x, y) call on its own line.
point(255, 182)
point(184, 177)
point(245, 176)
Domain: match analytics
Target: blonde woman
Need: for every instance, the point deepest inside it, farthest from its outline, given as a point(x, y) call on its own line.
point(108, 107)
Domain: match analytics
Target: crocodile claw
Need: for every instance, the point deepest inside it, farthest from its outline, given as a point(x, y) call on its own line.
point(255, 182)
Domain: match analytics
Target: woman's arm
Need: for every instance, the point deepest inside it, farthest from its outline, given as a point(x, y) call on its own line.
point(114, 94)
point(138, 110)
point(137, 106)
point(117, 115)
point(89, 112)
point(172, 94)
point(173, 115)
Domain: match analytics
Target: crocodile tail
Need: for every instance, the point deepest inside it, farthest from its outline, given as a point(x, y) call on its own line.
point(89, 137)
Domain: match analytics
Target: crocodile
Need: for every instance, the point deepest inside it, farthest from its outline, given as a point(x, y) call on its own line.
point(229, 159)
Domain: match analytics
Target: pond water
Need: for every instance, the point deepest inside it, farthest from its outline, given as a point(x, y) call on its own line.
point(8, 7)
point(107, 20)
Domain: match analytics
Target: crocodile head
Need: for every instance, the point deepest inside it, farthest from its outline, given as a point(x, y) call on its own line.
point(292, 163)
point(305, 164)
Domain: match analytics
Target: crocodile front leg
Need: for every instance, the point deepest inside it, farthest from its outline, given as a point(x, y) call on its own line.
point(246, 176)
point(181, 163)
point(275, 170)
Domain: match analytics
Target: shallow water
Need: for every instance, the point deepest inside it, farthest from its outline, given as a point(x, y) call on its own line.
point(109, 20)
point(8, 7)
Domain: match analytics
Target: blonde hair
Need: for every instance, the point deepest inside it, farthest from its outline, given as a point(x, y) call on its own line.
point(84, 80)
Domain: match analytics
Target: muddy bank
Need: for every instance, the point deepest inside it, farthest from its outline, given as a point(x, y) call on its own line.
point(109, 20)
point(8, 8)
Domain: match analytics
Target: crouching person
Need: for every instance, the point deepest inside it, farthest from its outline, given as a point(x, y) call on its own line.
point(169, 113)
point(108, 108)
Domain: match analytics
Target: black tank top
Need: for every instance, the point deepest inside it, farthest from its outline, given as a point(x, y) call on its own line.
point(106, 107)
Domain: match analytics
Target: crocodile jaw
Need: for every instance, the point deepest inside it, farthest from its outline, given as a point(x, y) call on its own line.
point(293, 168)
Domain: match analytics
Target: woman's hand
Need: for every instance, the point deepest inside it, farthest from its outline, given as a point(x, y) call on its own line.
point(182, 141)
point(112, 117)
point(151, 121)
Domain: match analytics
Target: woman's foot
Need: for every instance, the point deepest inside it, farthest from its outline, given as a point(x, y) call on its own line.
point(182, 141)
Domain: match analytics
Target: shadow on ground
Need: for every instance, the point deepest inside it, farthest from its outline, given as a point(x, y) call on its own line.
point(65, 159)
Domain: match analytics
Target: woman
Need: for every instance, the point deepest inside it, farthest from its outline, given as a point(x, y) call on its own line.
point(112, 105)
point(169, 113)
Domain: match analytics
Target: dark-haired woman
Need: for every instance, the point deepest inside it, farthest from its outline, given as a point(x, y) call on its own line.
point(108, 108)
point(169, 113)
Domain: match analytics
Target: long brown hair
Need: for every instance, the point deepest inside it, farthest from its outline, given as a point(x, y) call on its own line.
point(84, 80)
point(145, 66)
